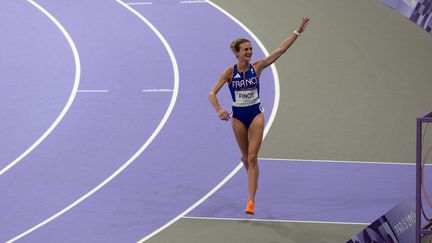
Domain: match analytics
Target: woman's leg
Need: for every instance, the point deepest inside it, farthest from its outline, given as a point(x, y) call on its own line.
point(255, 135)
point(241, 135)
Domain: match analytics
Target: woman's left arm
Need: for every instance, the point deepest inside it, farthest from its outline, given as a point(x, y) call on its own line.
point(262, 64)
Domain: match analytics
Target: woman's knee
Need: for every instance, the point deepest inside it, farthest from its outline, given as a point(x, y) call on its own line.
point(252, 159)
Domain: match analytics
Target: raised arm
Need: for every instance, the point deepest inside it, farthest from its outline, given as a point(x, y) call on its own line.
point(225, 77)
point(262, 64)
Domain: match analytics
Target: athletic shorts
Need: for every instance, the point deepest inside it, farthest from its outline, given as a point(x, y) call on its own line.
point(247, 114)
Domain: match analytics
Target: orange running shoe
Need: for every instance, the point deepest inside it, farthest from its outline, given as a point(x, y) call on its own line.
point(250, 207)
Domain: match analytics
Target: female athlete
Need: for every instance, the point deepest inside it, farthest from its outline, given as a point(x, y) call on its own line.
point(247, 114)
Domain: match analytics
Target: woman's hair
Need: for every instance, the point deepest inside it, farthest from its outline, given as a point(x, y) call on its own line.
point(235, 44)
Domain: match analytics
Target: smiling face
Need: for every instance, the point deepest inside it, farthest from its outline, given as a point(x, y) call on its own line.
point(245, 52)
point(242, 49)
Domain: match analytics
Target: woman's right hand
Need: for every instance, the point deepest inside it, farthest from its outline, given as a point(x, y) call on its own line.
point(303, 24)
point(223, 114)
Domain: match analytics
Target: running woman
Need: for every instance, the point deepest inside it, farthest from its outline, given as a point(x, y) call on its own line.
point(247, 114)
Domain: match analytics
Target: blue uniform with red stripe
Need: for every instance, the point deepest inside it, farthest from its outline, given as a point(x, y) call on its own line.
point(244, 88)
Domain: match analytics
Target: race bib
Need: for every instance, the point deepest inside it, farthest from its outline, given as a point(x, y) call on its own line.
point(246, 96)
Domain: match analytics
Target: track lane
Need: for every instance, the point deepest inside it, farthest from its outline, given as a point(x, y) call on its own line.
point(39, 77)
point(192, 153)
point(102, 130)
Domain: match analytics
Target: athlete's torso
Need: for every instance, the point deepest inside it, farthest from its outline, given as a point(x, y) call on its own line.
point(244, 87)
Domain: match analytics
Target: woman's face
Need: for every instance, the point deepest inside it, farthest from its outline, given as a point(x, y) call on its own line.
point(245, 52)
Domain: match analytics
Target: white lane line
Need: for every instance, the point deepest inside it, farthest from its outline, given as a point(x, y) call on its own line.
point(277, 220)
point(217, 187)
point(71, 97)
point(266, 129)
point(339, 161)
point(93, 91)
point(144, 146)
point(157, 90)
point(140, 3)
point(194, 1)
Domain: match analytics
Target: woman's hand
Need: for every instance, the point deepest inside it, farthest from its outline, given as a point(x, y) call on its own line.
point(223, 114)
point(303, 24)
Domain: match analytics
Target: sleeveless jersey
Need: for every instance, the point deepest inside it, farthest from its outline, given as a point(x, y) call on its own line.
point(244, 89)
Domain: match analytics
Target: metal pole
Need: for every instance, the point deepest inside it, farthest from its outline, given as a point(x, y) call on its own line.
point(418, 180)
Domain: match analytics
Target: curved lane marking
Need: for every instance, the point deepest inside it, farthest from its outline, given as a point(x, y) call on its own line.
point(71, 97)
point(266, 129)
point(146, 144)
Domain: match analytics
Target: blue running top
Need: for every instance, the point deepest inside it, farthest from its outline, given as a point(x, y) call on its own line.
point(244, 87)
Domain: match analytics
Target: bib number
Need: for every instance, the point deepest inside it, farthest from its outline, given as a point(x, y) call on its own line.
point(246, 96)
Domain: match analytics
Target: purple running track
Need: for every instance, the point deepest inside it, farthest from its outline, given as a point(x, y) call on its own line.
point(192, 153)
point(101, 130)
point(37, 75)
point(321, 191)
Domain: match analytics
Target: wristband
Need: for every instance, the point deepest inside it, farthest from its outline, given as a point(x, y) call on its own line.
point(296, 32)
